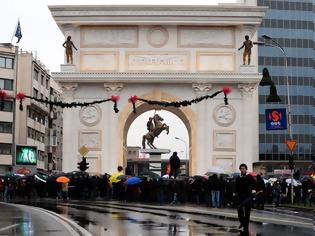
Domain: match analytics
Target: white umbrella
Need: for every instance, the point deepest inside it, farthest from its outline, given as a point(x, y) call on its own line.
point(295, 183)
point(272, 180)
point(217, 170)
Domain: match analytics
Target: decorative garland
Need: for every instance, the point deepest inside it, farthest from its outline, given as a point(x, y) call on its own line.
point(225, 90)
point(132, 99)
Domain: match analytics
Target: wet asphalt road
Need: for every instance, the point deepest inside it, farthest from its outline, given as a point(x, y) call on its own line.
point(103, 218)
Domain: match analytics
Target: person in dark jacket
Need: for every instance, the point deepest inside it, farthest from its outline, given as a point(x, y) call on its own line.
point(244, 186)
point(260, 192)
point(175, 165)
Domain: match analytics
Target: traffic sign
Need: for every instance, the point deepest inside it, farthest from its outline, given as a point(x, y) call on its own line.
point(83, 150)
point(291, 144)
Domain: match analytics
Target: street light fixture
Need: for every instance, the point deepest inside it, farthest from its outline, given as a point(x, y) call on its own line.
point(186, 158)
point(277, 45)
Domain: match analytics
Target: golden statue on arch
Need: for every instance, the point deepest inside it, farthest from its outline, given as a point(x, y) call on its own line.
point(155, 127)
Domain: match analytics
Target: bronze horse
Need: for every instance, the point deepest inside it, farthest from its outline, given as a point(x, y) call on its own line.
point(154, 131)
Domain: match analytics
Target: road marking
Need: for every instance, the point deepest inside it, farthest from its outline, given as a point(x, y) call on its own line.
point(8, 227)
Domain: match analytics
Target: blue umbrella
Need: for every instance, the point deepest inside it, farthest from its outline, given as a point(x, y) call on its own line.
point(133, 181)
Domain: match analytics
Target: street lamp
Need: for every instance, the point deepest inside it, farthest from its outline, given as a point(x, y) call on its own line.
point(275, 44)
point(186, 160)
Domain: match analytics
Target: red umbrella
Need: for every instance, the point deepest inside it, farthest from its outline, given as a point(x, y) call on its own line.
point(254, 174)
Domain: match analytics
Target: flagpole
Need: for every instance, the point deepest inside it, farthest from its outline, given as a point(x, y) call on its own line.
point(15, 30)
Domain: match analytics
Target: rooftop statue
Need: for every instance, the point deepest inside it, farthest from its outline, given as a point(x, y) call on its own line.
point(68, 44)
point(248, 44)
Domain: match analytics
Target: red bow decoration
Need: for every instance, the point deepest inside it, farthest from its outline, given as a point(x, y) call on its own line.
point(133, 100)
point(226, 91)
point(20, 96)
point(3, 94)
point(115, 99)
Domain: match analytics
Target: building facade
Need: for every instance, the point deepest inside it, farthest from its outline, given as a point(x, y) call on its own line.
point(291, 24)
point(21, 72)
point(8, 75)
point(164, 53)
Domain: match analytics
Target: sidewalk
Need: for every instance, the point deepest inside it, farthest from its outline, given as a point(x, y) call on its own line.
point(26, 220)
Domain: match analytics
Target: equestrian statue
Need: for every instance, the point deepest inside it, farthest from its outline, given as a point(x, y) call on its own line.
point(155, 127)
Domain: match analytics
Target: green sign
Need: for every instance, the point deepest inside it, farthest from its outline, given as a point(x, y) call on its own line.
point(26, 155)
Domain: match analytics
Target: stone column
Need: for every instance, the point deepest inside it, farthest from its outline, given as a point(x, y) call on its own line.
point(110, 158)
point(69, 148)
point(200, 163)
point(249, 125)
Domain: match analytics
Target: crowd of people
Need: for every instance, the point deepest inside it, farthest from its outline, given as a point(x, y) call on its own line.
point(242, 192)
point(214, 191)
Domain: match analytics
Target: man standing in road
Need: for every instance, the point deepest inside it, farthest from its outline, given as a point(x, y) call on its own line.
point(175, 165)
point(244, 186)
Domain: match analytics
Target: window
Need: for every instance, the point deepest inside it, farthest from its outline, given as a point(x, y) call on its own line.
point(7, 106)
point(42, 79)
point(5, 148)
point(35, 75)
point(5, 127)
point(41, 96)
point(9, 63)
point(47, 83)
point(6, 84)
point(6, 62)
point(35, 93)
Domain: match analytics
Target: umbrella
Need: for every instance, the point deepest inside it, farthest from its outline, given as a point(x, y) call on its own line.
point(295, 183)
point(114, 177)
point(306, 178)
point(201, 177)
point(235, 174)
point(152, 175)
point(40, 178)
point(63, 179)
point(133, 181)
point(216, 170)
point(272, 180)
point(254, 174)
point(123, 177)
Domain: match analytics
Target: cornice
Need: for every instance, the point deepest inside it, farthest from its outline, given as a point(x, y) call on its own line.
point(191, 15)
point(124, 77)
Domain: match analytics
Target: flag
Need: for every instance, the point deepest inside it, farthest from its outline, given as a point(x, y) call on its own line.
point(18, 32)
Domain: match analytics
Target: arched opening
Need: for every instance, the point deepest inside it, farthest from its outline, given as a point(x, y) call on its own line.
point(177, 140)
point(185, 114)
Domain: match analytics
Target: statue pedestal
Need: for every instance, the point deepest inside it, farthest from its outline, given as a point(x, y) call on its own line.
point(67, 68)
point(155, 159)
point(248, 69)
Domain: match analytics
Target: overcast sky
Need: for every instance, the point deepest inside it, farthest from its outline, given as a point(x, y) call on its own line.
point(42, 36)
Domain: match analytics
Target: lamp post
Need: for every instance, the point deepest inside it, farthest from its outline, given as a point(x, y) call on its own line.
point(186, 158)
point(274, 43)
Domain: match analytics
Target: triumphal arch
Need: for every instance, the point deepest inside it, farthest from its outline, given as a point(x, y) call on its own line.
point(161, 53)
